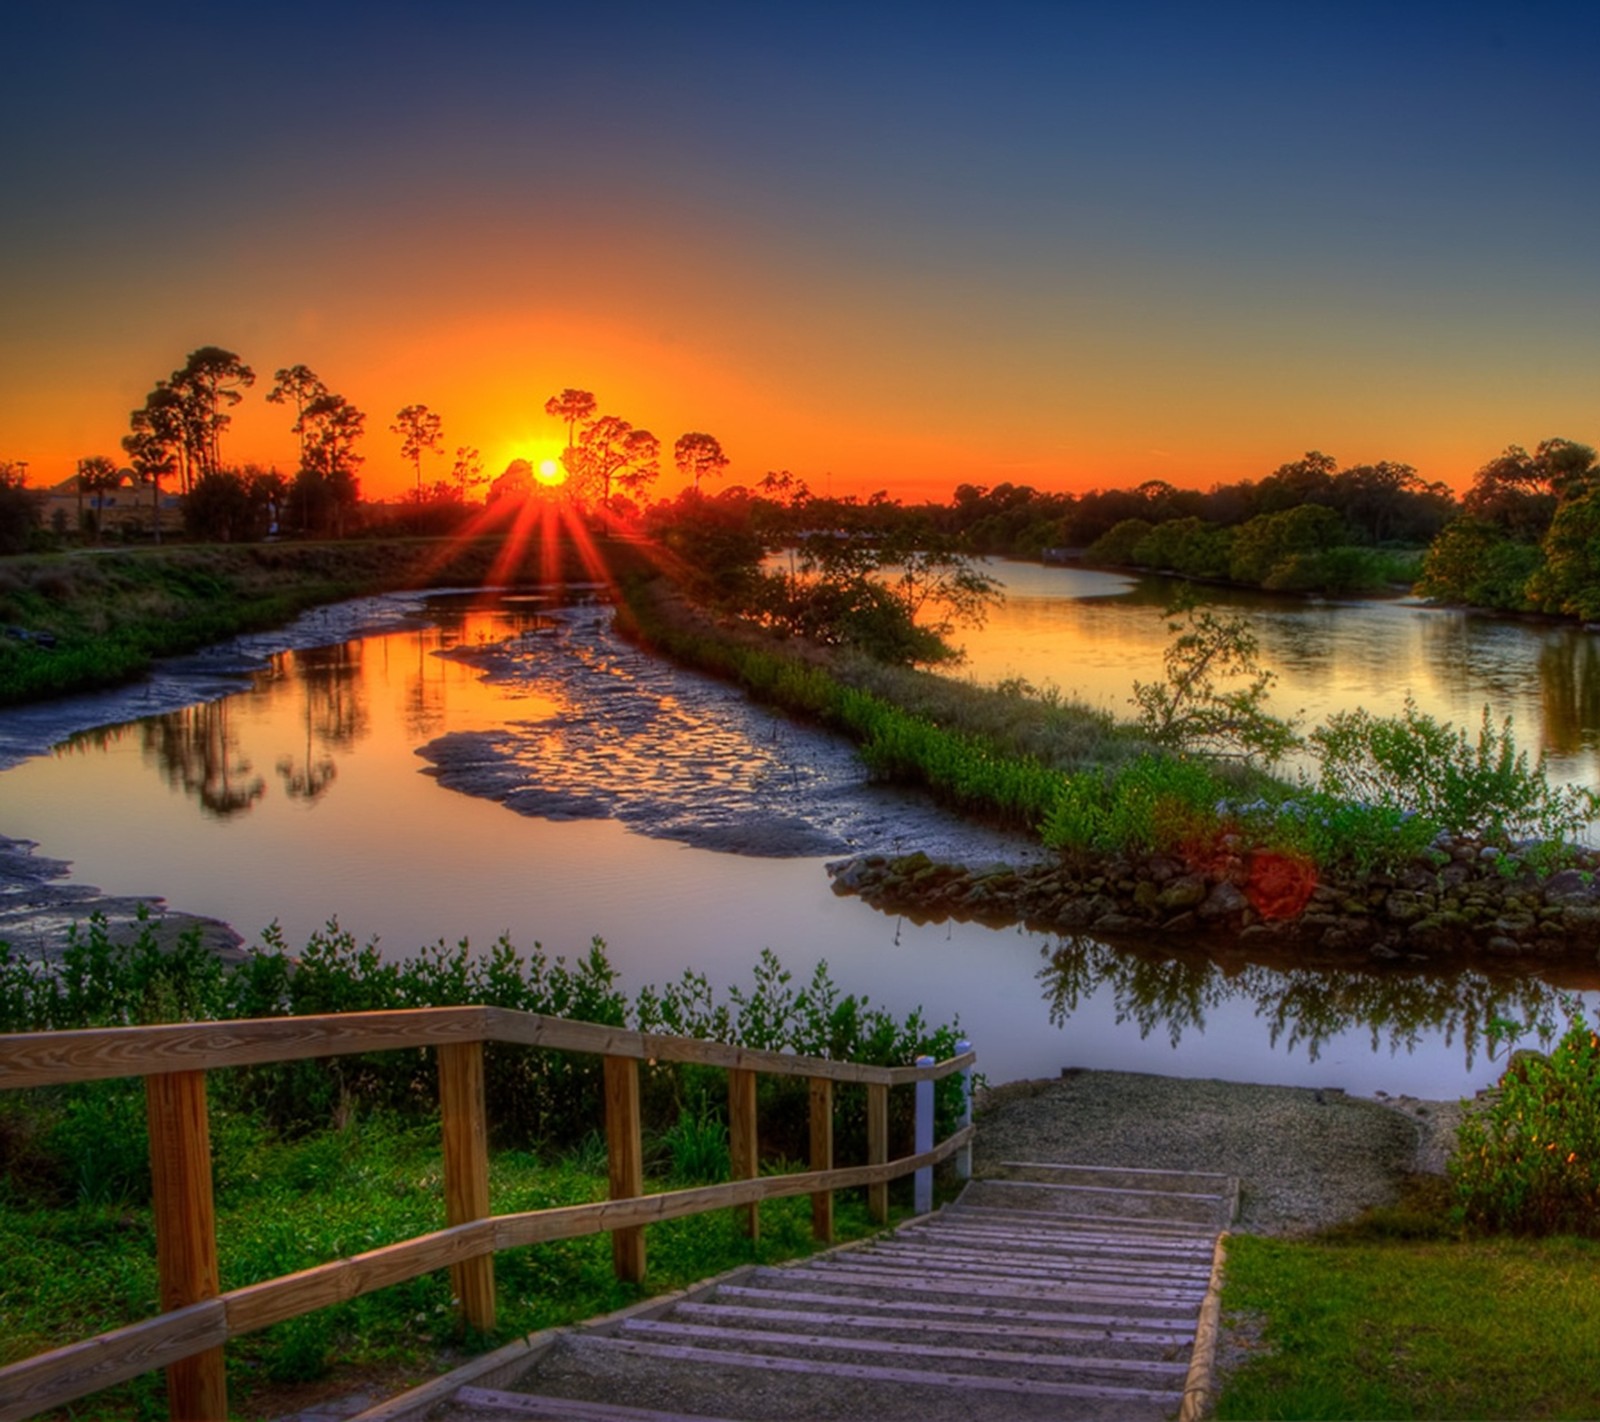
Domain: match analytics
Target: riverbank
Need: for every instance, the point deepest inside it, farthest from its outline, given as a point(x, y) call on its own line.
point(1466, 901)
point(1305, 1158)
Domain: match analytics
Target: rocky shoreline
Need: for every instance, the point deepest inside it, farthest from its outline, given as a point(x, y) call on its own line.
point(1465, 900)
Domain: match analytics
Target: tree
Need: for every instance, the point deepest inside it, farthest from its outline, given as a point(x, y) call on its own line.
point(151, 459)
point(1569, 581)
point(96, 475)
point(1195, 708)
point(419, 430)
point(160, 429)
point(19, 510)
point(611, 451)
point(326, 488)
point(209, 384)
point(572, 406)
point(698, 455)
point(296, 385)
point(467, 472)
point(1476, 562)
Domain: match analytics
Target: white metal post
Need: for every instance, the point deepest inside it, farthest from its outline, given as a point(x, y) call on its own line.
point(922, 1190)
point(964, 1155)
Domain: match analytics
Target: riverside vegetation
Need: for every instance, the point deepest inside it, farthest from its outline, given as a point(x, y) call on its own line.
point(1007, 755)
point(318, 1160)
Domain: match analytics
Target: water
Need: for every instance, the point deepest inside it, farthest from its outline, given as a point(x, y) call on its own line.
point(303, 798)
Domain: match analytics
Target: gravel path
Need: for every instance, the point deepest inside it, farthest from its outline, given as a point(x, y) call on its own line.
point(1304, 1158)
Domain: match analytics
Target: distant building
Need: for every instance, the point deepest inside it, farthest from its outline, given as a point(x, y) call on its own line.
point(125, 509)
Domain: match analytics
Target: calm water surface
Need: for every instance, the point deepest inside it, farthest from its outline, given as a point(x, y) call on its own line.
point(303, 798)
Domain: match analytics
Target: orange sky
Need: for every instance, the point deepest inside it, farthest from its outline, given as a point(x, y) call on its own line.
point(1070, 252)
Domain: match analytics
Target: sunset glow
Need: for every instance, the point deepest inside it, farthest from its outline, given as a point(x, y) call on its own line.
point(550, 472)
point(1128, 247)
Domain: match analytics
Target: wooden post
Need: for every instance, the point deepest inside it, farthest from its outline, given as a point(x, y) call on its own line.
point(742, 1141)
point(186, 1231)
point(465, 1126)
point(878, 1149)
point(964, 1155)
point(822, 1156)
point(625, 1162)
point(922, 1182)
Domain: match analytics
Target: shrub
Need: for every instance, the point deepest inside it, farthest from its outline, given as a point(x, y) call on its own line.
point(1530, 1162)
point(1413, 762)
point(1152, 803)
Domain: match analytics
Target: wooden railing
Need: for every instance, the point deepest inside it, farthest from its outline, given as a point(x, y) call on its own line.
point(187, 1338)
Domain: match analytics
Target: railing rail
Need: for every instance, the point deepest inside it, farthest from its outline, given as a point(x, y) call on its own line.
point(198, 1318)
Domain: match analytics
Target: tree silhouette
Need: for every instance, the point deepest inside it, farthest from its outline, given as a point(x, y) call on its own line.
point(698, 455)
point(467, 472)
point(296, 385)
point(419, 429)
point(151, 459)
point(571, 406)
point(209, 384)
point(611, 451)
point(159, 424)
point(327, 488)
point(96, 474)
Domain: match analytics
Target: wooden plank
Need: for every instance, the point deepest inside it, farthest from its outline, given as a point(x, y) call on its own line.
point(57, 1058)
point(743, 1142)
point(978, 1288)
point(54, 1058)
point(951, 1222)
point(1032, 1261)
point(563, 1409)
point(879, 1322)
point(959, 1382)
point(464, 1125)
point(1009, 1357)
point(625, 1162)
point(1184, 1328)
point(257, 1306)
point(186, 1231)
point(49, 1380)
point(878, 1150)
point(822, 1156)
point(1223, 1180)
point(1061, 1189)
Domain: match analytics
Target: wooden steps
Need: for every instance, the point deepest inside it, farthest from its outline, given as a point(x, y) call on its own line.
point(1045, 1291)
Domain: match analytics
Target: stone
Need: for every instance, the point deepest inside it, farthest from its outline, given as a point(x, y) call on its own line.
point(1224, 901)
point(1185, 893)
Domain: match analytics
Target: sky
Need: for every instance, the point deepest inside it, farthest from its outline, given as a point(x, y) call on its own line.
point(882, 246)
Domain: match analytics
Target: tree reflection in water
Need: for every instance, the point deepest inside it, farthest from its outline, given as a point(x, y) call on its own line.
point(197, 752)
point(335, 716)
point(1303, 1006)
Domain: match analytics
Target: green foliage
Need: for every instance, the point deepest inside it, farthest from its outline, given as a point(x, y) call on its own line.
point(1497, 1328)
point(1196, 709)
point(1332, 831)
point(1413, 762)
point(1118, 546)
point(1529, 1161)
point(1153, 803)
point(1476, 563)
point(1261, 546)
point(1569, 580)
point(696, 1146)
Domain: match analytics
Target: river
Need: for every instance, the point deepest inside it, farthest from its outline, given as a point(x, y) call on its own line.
point(475, 767)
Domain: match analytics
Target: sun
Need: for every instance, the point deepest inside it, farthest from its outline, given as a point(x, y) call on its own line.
point(550, 472)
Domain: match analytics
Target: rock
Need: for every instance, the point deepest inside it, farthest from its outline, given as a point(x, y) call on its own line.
point(1185, 893)
point(1224, 901)
point(1571, 886)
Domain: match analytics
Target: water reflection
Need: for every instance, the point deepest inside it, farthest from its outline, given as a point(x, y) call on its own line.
point(197, 751)
point(1303, 1008)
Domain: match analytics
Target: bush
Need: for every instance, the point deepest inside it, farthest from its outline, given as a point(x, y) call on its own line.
point(1530, 1162)
point(1152, 803)
point(1413, 762)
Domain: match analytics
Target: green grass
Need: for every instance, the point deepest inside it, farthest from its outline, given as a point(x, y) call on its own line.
point(72, 1272)
point(1426, 1329)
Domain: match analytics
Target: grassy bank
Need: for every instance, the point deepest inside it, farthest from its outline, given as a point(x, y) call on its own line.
point(1397, 1328)
point(110, 614)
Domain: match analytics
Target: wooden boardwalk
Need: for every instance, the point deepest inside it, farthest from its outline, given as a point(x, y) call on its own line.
point(1046, 1291)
